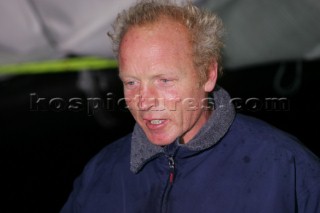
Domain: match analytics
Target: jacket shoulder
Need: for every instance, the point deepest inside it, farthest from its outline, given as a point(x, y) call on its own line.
point(256, 129)
point(115, 149)
point(115, 153)
point(259, 134)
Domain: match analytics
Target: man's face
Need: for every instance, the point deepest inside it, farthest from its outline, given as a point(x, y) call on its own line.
point(161, 84)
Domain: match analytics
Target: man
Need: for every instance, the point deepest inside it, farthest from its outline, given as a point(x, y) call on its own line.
point(188, 153)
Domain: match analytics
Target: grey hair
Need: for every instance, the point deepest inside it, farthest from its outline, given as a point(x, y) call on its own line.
point(206, 29)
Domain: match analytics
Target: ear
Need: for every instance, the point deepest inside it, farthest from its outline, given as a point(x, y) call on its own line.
point(212, 77)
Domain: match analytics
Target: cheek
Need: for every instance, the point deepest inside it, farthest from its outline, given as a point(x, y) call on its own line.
point(190, 104)
point(183, 98)
point(192, 99)
point(168, 93)
point(131, 100)
point(129, 93)
point(171, 98)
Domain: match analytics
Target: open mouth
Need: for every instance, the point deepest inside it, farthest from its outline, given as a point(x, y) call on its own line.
point(156, 123)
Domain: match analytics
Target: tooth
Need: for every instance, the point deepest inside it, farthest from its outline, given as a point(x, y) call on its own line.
point(156, 121)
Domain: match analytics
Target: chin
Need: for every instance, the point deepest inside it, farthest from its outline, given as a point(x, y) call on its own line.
point(160, 142)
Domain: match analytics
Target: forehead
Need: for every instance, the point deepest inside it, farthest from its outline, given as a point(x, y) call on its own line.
point(155, 48)
point(162, 32)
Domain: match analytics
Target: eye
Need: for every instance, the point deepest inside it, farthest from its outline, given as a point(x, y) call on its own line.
point(130, 84)
point(164, 80)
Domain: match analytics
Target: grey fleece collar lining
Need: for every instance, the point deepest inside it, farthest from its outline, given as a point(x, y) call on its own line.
point(142, 150)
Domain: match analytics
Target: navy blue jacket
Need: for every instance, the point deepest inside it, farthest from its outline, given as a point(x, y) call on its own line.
point(252, 168)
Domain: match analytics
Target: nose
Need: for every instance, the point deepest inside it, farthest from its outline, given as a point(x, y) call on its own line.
point(147, 97)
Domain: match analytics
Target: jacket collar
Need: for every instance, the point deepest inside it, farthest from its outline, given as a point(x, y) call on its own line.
point(142, 150)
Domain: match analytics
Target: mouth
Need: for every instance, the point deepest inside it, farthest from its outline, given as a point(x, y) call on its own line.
point(155, 124)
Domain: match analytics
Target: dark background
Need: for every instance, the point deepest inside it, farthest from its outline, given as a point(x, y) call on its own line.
point(43, 147)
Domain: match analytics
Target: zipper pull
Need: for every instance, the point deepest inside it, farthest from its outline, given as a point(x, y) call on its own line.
point(171, 167)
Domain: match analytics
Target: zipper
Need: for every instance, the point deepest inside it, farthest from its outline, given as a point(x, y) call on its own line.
point(171, 169)
point(164, 206)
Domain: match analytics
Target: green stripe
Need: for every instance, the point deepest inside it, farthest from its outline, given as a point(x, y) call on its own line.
point(63, 65)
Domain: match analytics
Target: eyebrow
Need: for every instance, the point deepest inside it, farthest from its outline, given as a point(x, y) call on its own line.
point(121, 76)
point(159, 75)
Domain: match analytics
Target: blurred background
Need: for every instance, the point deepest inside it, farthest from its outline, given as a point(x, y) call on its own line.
point(59, 89)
